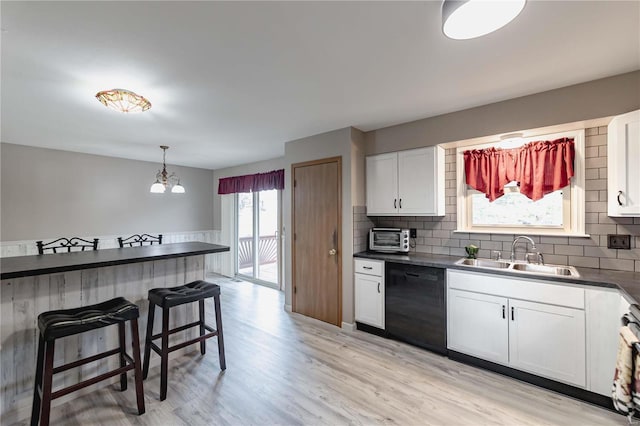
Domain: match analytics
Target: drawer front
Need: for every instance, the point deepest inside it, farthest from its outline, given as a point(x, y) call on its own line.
point(517, 288)
point(369, 267)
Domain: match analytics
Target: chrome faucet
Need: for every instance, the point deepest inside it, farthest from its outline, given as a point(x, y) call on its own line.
point(516, 240)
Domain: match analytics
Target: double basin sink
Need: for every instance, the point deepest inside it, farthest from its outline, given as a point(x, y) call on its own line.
point(531, 268)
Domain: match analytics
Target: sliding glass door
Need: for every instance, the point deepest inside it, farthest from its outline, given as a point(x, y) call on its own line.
point(258, 218)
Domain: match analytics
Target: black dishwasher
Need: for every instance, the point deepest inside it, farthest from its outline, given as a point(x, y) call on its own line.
point(415, 307)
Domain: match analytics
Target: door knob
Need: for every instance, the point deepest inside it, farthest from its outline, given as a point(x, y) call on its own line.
point(332, 252)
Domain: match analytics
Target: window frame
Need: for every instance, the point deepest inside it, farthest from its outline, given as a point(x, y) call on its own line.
point(573, 199)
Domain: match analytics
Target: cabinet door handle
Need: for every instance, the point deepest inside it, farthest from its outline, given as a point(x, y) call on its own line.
point(395, 206)
point(619, 194)
point(503, 312)
point(378, 287)
point(367, 267)
point(400, 202)
point(512, 315)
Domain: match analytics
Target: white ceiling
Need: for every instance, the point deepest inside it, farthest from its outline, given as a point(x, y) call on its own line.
point(231, 82)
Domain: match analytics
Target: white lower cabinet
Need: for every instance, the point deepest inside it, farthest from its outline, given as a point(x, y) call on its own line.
point(547, 340)
point(488, 318)
point(369, 292)
point(477, 325)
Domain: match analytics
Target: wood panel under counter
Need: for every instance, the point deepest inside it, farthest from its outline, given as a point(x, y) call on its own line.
point(33, 284)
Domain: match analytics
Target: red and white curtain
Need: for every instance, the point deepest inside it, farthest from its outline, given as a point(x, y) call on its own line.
point(538, 167)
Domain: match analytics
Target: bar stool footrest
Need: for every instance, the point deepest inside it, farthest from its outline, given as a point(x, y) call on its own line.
point(91, 381)
point(87, 360)
point(181, 345)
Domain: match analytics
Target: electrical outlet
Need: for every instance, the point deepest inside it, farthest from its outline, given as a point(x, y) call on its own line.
point(615, 241)
point(413, 233)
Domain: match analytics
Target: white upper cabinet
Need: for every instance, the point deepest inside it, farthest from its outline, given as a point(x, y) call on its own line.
point(406, 183)
point(623, 165)
point(382, 184)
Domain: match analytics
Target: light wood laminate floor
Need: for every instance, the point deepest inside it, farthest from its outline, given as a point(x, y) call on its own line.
point(285, 369)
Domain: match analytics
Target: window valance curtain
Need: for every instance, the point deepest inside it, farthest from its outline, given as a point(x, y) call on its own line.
point(252, 183)
point(538, 167)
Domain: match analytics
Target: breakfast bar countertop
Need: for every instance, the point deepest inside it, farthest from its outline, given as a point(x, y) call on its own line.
point(627, 282)
point(25, 266)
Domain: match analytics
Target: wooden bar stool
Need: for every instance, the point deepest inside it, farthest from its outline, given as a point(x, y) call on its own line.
point(67, 245)
point(68, 322)
point(140, 240)
point(166, 298)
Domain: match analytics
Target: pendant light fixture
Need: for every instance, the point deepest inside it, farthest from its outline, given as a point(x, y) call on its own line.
point(164, 179)
point(465, 19)
point(123, 100)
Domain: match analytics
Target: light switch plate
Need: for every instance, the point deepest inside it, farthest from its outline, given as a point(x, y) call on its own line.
point(616, 241)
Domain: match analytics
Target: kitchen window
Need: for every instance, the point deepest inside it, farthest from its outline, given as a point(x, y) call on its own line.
point(560, 212)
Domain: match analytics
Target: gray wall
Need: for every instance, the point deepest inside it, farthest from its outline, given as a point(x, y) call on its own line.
point(595, 99)
point(49, 193)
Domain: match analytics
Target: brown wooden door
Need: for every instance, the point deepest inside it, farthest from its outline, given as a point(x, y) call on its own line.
point(316, 255)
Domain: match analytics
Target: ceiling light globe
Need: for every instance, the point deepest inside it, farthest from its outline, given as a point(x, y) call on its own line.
point(177, 189)
point(157, 188)
point(466, 19)
point(123, 100)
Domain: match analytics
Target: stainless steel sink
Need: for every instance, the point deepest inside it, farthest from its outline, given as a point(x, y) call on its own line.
point(484, 263)
point(528, 268)
point(546, 269)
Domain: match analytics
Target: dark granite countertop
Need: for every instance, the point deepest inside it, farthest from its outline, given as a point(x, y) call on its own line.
point(627, 282)
point(25, 266)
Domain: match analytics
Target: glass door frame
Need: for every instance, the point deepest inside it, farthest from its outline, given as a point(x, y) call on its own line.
point(256, 238)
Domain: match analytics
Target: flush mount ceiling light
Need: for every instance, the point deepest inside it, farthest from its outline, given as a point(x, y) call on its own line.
point(165, 180)
point(123, 100)
point(465, 19)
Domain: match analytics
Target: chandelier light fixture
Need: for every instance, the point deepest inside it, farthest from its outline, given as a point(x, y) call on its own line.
point(123, 100)
point(465, 19)
point(165, 180)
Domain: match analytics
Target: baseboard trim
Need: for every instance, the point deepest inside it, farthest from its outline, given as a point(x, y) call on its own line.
point(348, 326)
point(287, 308)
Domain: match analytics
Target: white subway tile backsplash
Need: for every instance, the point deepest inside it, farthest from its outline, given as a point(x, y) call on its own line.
point(579, 241)
point(590, 163)
point(591, 217)
point(554, 240)
point(591, 196)
point(595, 206)
point(602, 151)
point(627, 229)
point(440, 250)
point(568, 250)
point(596, 140)
point(600, 229)
point(555, 259)
point(591, 151)
point(601, 252)
point(602, 172)
point(590, 174)
point(618, 264)
point(633, 254)
point(584, 262)
point(439, 233)
point(598, 185)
